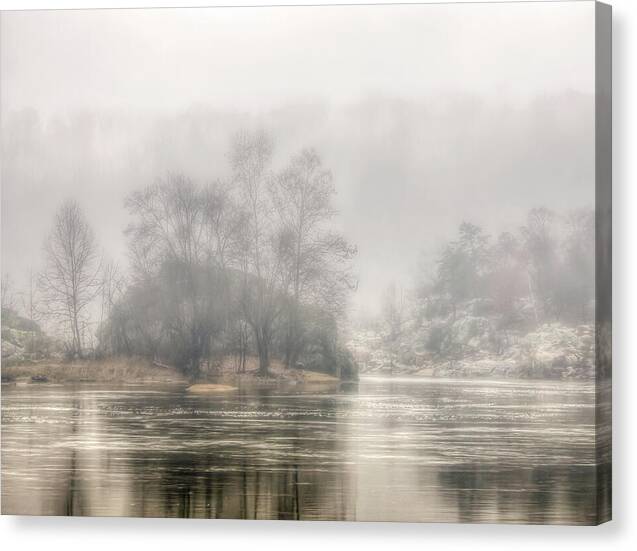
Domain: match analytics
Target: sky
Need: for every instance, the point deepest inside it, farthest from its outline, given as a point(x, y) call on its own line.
point(427, 115)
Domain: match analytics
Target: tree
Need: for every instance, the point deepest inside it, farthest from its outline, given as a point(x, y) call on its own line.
point(224, 225)
point(261, 246)
point(179, 240)
point(8, 294)
point(507, 277)
point(575, 288)
point(462, 265)
point(31, 308)
point(215, 267)
point(112, 286)
point(316, 259)
point(393, 318)
point(70, 280)
point(540, 246)
point(168, 224)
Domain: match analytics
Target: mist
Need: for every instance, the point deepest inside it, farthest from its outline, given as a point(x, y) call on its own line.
point(420, 132)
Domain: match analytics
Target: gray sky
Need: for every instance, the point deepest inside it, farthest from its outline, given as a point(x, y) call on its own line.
point(427, 115)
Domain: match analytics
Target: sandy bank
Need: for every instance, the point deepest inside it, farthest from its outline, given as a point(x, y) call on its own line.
point(205, 388)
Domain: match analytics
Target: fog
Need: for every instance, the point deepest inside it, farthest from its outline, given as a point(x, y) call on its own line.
point(426, 119)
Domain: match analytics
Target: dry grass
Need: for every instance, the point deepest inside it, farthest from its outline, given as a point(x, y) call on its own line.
point(227, 370)
point(99, 371)
point(137, 370)
point(229, 365)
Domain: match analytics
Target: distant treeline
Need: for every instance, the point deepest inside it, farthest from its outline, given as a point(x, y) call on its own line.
point(525, 297)
point(545, 271)
point(241, 267)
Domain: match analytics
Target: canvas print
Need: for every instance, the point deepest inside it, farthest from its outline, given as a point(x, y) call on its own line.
point(308, 263)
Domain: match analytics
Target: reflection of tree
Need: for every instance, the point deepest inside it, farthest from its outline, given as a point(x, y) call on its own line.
point(73, 501)
point(236, 480)
point(189, 489)
point(542, 494)
point(467, 483)
point(537, 495)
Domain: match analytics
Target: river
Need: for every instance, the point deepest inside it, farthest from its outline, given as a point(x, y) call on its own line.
point(384, 449)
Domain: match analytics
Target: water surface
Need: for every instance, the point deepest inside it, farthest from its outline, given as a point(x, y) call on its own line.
point(384, 449)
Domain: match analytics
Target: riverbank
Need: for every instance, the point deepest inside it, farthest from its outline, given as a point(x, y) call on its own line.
point(226, 372)
point(550, 351)
point(136, 370)
point(92, 371)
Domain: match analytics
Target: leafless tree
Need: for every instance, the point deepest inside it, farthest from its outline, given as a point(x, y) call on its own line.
point(227, 259)
point(225, 241)
point(316, 259)
point(168, 224)
point(540, 247)
point(259, 251)
point(182, 241)
point(222, 220)
point(394, 315)
point(113, 287)
point(70, 280)
point(30, 299)
point(168, 244)
point(31, 306)
point(8, 294)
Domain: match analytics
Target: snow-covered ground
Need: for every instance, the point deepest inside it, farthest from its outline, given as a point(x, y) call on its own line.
point(551, 350)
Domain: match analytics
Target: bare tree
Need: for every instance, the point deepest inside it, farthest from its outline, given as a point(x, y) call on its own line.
point(168, 224)
point(259, 251)
point(168, 245)
point(112, 286)
point(316, 259)
point(70, 280)
point(222, 220)
point(394, 319)
point(31, 307)
point(226, 260)
point(540, 247)
point(8, 294)
point(225, 241)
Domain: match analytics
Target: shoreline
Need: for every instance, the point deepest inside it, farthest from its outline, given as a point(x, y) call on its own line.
point(493, 380)
point(141, 371)
point(91, 371)
point(476, 376)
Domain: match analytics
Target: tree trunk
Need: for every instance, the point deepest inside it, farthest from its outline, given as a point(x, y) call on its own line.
point(293, 346)
point(264, 360)
point(78, 339)
point(264, 353)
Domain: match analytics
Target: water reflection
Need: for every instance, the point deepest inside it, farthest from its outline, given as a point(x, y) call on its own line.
point(425, 450)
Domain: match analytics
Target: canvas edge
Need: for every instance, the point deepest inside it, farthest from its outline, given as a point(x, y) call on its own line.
point(603, 261)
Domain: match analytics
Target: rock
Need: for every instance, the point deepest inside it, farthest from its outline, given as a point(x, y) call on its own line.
point(210, 388)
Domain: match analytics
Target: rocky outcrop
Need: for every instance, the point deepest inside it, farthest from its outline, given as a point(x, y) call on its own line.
point(471, 347)
point(22, 340)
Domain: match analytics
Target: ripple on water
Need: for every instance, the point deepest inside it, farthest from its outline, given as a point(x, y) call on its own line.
point(394, 449)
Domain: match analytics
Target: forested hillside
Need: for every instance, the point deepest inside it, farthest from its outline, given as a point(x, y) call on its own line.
point(519, 304)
